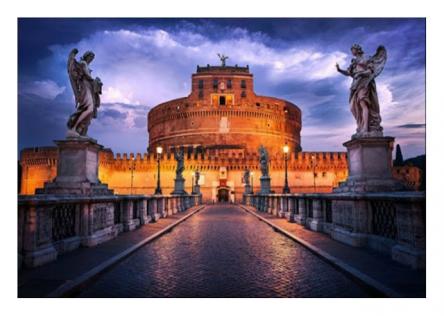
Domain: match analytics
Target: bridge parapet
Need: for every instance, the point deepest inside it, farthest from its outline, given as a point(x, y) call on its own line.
point(49, 225)
point(390, 222)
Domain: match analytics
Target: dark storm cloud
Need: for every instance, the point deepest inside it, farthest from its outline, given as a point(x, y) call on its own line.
point(412, 126)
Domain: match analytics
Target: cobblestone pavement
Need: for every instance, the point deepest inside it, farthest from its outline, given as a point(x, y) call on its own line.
point(223, 251)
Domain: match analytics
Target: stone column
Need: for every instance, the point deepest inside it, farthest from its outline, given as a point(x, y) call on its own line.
point(153, 209)
point(143, 212)
point(317, 220)
point(290, 215)
point(270, 204)
point(175, 206)
point(127, 215)
point(301, 216)
point(162, 207)
point(277, 205)
point(283, 207)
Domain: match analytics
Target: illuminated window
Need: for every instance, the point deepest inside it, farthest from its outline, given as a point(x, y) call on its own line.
point(214, 100)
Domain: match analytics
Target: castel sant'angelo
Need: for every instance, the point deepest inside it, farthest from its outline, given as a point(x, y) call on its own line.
point(220, 126)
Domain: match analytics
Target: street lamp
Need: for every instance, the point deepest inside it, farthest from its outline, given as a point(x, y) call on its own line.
point(159, 153)
point(313, 163)
point(286, 187)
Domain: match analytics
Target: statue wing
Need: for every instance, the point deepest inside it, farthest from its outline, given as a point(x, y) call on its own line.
point(74, 73)
point(377, 61)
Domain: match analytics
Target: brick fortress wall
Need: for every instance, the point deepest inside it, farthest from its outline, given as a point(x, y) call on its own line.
point(117, 170)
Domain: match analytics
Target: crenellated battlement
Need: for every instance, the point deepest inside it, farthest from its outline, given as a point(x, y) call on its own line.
point(204, 157)
point(44, 156)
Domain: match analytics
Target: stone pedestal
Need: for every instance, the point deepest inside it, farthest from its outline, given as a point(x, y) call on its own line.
point(196, 189)
point(248, 189)
point(179, 186)
point(265, 185)
point(370, 166)
point(77, 169)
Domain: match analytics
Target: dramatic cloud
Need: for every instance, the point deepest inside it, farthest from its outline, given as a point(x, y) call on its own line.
point(47, 89)
point(412, 126)
point(142, 65)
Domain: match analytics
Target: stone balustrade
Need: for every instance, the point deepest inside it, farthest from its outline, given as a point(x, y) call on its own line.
point(392, 222)
point(49, 225)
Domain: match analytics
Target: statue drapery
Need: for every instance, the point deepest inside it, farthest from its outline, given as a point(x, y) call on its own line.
point(87, 91)
point(363, 98)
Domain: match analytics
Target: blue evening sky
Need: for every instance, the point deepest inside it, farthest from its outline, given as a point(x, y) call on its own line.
point(143, 62)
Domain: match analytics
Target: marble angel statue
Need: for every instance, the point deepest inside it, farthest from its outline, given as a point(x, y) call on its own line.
point(179, 156)
point(246, 177)
point(87, 91)
point(363, 98)
point(263, 160)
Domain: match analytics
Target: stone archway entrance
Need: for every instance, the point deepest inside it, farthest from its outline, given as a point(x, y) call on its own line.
point(223, 194)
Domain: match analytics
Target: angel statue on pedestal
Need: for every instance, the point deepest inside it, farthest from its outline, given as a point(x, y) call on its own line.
point(263, 160)
point(87, 91)
point(363, 98)
point(180, 167)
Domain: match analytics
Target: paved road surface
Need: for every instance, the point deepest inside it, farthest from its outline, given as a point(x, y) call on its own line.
point(223, 251)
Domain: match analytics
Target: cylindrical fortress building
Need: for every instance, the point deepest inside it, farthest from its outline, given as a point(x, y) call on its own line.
point(223, 111)
point(220, 125)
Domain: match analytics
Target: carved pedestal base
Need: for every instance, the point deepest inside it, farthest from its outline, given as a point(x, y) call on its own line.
point(196, 189)
point(248, 189)
point(265, 185)
point(370, 166)
point(77, 169)
point(179, 186)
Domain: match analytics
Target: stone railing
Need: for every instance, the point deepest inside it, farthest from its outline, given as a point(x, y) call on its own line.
point(392, 223)
point(49, 225)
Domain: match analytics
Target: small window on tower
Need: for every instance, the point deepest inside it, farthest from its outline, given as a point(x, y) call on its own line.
point(201, 84)
point(243, 94)
point(215, 84)
point(243, 84)
point(229, 84)
point(222, 100)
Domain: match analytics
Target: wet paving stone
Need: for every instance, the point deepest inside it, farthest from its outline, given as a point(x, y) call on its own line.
point(223, 251)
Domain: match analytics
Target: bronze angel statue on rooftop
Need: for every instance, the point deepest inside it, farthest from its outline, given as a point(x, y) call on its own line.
point(363, 98)
point(87, 91)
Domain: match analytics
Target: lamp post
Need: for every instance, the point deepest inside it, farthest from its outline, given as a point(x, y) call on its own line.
point(313, 163)
point(132, 174)
point(286, 187)
point(159, 153)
